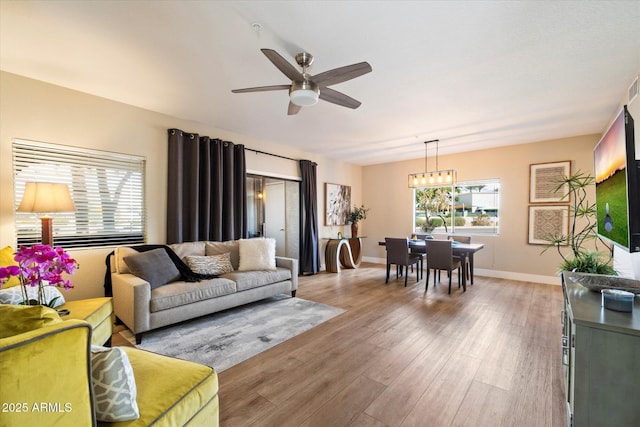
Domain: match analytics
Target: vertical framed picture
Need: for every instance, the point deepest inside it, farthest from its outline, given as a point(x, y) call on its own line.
point(547, 223)
point(337, 203)
point(544, 179)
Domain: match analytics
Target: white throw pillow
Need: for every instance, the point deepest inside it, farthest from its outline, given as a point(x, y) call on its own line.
point(212, 264)
point(257, 254)
point(114, 386)
point(13, 295)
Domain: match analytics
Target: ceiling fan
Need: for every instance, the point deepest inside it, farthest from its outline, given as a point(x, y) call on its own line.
point(305, 89)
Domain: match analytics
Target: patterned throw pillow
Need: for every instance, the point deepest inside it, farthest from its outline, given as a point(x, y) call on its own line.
point(114, 386)
point(212, 264)
point(14, 295)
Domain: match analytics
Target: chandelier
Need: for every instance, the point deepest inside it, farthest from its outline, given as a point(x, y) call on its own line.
point(435, 178)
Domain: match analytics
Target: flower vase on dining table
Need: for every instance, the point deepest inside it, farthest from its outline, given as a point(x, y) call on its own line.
point(354, 229)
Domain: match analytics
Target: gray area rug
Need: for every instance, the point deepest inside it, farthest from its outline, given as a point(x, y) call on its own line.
point(224, 339)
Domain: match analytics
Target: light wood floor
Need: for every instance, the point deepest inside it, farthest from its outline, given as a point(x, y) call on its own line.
point(400, 357)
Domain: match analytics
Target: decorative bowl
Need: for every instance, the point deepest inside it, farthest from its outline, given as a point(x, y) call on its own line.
point(598, 282)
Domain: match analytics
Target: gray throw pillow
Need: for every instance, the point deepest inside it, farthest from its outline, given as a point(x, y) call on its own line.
point(154, 266)
point(114, 386)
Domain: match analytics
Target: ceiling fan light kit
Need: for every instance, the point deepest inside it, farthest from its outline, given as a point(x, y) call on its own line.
point(305, 90)
point(304, 93)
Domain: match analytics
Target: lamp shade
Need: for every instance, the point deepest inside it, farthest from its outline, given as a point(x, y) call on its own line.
point(46, 197)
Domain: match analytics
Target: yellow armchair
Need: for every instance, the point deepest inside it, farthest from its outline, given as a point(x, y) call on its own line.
point(46, 371)
point(45, 364)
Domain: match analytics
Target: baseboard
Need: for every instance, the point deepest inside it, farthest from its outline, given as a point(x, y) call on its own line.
point(510, 275)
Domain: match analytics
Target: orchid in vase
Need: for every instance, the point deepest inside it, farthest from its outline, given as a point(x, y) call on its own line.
point(38, 266)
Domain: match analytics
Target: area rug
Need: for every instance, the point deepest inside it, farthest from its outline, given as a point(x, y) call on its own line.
point(224, 339)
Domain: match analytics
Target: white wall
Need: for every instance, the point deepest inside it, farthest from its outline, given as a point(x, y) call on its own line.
point(38, 111)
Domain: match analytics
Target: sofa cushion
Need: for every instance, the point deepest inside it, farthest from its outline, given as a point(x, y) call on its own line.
point(114, 386)
point(119, 253)
point(17, 319)
point(177, 294)
point(188, 248)
point(212, 264)
point(173, 392)
point(230, 246)
point(254, 279)
point(6, 259)
point(257, 254)
point(154, 266)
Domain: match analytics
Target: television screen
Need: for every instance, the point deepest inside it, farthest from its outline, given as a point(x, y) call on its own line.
point(615, 170)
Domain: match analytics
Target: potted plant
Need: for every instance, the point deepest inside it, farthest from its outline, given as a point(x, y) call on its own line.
point(40, 266)
point(356, 215)
point(582, 230)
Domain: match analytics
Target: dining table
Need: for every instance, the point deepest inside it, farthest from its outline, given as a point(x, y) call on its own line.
point(463, 250)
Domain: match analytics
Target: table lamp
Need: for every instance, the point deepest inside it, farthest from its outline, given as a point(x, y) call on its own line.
point(46, 197)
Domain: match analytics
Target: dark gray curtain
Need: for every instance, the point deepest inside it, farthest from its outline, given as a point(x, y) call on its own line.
point(309, 253)
point(206, 190)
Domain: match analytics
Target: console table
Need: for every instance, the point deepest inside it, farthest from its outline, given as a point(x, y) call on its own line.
point(345, 253)
point(600, 350)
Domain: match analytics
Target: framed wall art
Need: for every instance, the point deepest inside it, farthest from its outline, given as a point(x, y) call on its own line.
point(337, 203)
point(547, 222)
point(544, 179)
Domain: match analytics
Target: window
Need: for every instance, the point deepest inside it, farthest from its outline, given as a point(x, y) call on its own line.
point(467, 208)
point(107, 190)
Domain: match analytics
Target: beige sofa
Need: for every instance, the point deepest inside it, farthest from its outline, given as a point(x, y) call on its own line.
point(142, 308)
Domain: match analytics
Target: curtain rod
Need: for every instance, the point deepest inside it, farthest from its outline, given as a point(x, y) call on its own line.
point(270, 154)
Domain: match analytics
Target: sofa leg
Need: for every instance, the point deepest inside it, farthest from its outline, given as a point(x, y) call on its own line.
point(293, 294)
point(139, 338)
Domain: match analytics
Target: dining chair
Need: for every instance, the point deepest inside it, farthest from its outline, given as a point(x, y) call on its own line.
point(398, 254)
point(440, 257)
point(463, 239)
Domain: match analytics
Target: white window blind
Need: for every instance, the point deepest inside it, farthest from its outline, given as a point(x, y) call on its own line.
point(107, 190)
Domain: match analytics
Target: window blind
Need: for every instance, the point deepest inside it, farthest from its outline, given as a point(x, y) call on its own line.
point(107, 190)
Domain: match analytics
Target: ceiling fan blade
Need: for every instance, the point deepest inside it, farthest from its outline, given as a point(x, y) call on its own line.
point(261, 88)
point(338, 98)
point(293, 109)
point(342, 74)
point(283, 65)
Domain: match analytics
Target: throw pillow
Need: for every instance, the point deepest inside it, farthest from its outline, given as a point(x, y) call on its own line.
point(154, 266)
point(213, 264)
point(114, 386)
point(257, 254)
point(14, 295)
point(120, 253)
point(17, 319)
point(6, 259)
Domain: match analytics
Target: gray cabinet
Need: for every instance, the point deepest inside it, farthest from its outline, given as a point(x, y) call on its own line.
point(601, 358)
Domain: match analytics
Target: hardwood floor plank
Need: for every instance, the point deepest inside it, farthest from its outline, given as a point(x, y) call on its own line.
point(399, 398)
point(482, 406)
point(439, 404)
point(347, 405)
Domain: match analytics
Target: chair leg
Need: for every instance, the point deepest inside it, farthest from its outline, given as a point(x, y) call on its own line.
point(450, 280)
point(406, 276)
point(388, 270)
point(427, 281)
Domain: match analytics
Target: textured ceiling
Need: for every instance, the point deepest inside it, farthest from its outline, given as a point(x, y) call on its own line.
point(474, 74)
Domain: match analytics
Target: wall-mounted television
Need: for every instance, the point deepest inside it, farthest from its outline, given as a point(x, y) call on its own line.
point(617, 173)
